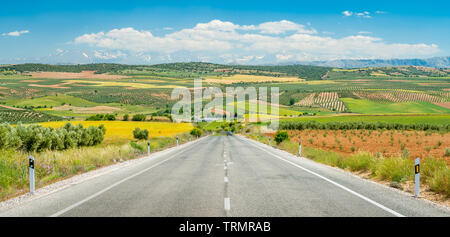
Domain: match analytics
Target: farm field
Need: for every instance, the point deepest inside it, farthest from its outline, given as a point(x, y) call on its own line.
point(371, 107)
point(119, 131)
point(80, 91)
point(387, 143)
point(249, 79)
point(441, 119)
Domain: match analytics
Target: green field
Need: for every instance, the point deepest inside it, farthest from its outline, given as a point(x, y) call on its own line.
point(51, 101)
point(404, 119)
point(372, 107)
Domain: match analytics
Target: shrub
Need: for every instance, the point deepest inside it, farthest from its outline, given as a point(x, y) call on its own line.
point(196, 132)
point(440, 182)
point(360, 162)
point(280, 136)
point(137, 146)
point(395, 169)
point(126, 117)
point(101, 117)
point(140, 134)
point(447, 152)
point(405, 153)
point(110, 117)
point(138, 117)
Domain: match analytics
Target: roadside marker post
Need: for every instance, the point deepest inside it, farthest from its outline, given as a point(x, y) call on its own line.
point(148, 145)
point(31, 165)
point(417, 177)
point(269, 141)
point(299, 148)
point(177, 140)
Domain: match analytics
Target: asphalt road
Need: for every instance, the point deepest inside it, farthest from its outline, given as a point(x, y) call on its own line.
point(226, 176)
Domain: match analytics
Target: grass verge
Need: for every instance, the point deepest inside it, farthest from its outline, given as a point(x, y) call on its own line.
point(435, 173)
point(51, 166)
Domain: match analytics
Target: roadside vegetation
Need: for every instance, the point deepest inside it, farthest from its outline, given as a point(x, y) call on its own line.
point(397, 171)
point(55, 165)
point(35, 138)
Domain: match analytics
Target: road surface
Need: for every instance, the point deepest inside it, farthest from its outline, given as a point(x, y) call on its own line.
point(226, 176)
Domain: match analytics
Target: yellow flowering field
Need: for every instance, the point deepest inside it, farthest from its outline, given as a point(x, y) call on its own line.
point(121, 130)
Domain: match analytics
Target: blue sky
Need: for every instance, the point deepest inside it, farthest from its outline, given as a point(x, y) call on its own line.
point(244, 32)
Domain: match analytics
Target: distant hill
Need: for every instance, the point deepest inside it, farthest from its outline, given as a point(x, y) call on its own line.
point(197, 69)
point(436, 62)
point(393, 68)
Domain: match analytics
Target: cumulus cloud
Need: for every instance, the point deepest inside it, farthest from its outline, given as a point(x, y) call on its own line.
point(16, 33)
point(222, 41)
point(279, 27)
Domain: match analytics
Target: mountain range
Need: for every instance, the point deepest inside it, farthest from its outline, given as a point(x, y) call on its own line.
point(436, 62)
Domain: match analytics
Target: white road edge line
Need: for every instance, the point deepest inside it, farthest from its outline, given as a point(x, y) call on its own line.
point(336, 184)
point(110, 187)
point(225, 179)
point(227, 205)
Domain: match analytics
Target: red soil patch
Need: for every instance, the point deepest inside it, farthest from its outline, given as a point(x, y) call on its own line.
point(9, 107)
point(388, 143)
point(72, 75)
point(89, 110)
point(362, 80)
point(443, 104)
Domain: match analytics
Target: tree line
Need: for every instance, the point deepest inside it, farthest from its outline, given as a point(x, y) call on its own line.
point(36, 138)
point(362, 125)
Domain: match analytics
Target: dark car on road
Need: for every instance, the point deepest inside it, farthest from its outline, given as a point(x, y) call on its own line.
point(229, 133)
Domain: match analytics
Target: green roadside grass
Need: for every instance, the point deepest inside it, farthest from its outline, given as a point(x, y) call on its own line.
point(435, 172)
point(52, 166)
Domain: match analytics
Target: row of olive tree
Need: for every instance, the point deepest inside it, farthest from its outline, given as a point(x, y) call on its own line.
point(363, 125)
point(37, 138)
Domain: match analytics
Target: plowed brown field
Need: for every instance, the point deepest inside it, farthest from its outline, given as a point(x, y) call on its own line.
point(388, 143)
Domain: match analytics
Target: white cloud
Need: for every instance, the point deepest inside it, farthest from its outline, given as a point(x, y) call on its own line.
point(244, 59)
point(85, 55)
point(347, 13)
point(16, 33)
point(221, 41)
point(364, 14)
point(279, 27)
point(283, 57)
point(364, 32)
point(108, 55)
